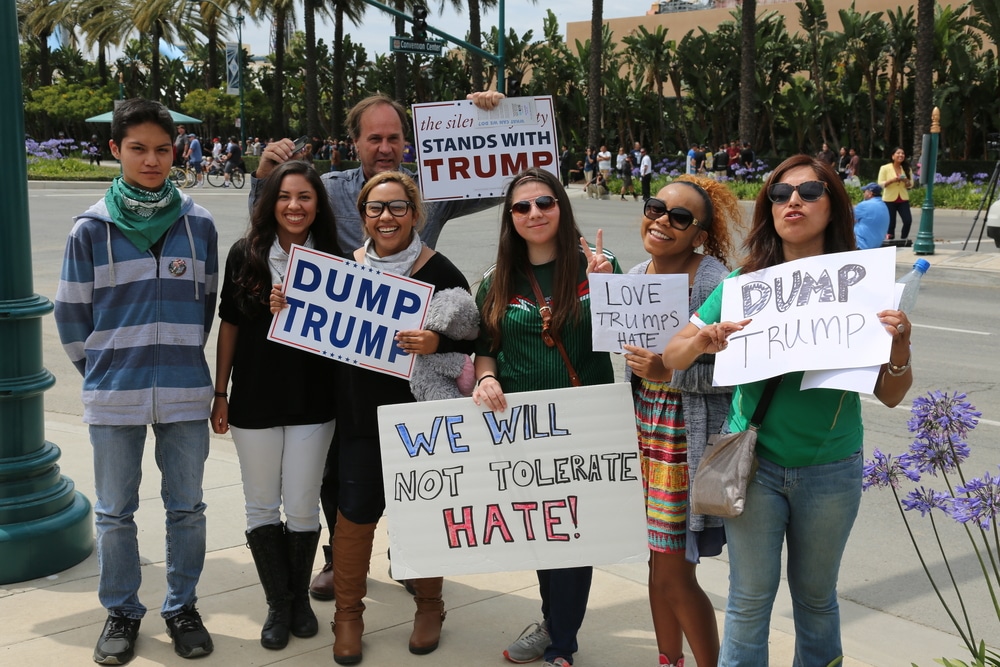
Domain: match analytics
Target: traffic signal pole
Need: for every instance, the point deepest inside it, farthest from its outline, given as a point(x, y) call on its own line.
point(421, 22)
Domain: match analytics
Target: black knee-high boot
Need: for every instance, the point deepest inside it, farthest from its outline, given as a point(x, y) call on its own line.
point(270, 555)
point(301, 553)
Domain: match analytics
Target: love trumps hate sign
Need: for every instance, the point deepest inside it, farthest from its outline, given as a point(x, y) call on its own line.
point(637, 309)
point(552, 482)
point(808, 314)
point(348, 311)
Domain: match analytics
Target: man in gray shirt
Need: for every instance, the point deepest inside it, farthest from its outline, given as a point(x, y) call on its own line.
point(378, 127)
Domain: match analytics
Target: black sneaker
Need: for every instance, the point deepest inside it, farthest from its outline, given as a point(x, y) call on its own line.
point(117, 643)
point(191, 639)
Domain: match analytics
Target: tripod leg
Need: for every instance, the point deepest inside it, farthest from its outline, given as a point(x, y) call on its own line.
point(988, 196)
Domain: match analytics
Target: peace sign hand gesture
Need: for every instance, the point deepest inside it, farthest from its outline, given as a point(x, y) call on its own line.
point(597, 261)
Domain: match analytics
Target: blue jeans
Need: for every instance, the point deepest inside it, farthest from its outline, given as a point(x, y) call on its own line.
point(812, 508)
point(181, 451)
point(564, 596)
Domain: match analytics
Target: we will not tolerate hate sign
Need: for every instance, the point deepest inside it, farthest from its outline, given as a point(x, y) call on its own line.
point(349, 312)
point(553, 481)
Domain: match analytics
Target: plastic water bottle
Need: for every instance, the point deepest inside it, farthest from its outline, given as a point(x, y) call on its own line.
point(911, 282)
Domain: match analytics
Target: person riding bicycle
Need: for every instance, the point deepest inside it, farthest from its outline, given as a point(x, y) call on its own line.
point(233, 159)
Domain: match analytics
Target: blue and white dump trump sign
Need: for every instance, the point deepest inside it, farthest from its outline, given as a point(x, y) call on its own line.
point(553, 481)
point(348, 311)
point(465, 152)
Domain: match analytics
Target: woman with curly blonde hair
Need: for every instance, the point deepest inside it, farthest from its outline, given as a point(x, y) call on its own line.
point(676, 411)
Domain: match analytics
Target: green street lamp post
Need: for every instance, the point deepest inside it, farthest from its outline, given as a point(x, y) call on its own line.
point(45, 524)
point(924, 245)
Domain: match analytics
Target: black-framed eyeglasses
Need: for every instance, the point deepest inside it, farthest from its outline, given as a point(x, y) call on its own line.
point(543, 202)
point(780, 193)
point(679, 217)
point(397, 207)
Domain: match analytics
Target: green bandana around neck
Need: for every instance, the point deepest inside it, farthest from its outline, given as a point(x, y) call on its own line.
point(143, 216)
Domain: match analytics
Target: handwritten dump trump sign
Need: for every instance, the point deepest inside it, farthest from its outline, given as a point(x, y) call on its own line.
point(637, 309)
point(466, 152)
point(552, 482)
point(808, 314)
point(348, 311)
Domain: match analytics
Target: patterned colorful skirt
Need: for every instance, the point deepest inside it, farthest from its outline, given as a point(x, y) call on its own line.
point(663, 448)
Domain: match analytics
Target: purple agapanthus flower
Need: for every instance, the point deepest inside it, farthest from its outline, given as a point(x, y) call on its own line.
point(980, 503)
point(925, 500)
point(882, 471)
point(934, 454)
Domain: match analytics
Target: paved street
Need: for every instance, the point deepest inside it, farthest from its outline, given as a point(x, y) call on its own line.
point(954, 347)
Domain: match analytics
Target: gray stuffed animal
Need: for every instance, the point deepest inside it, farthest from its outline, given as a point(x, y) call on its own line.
point(445, 375)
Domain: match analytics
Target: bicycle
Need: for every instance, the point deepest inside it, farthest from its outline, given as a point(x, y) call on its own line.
point(183, 177)
point(216, 175)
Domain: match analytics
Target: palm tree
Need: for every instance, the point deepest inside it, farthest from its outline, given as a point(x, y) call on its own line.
point(351, 10)
point(812, 19)
point(923, 73)
point(280, 13)
point(865, 40)
point(37, 21)
point(902, 37)
point(748, 68)
point(594, 90)
point(159, 20)
point(652, 54)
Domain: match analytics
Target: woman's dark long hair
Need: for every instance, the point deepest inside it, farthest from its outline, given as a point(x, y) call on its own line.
point(905, 164)
point(512, 259)
point(252, 278)
point(763, 245)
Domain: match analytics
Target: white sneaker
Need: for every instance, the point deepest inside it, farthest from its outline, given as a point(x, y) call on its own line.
point(530, 645)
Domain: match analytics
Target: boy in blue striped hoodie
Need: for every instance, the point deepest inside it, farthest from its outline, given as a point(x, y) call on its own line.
point(134, 308)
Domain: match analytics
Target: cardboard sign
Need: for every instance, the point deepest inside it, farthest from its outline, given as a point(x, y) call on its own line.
point(809, 314)
point(348, 311)
point(640, 310)
point(464, 152)
point(553, 482)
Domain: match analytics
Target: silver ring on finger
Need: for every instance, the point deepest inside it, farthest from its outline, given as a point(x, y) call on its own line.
point(901, 328)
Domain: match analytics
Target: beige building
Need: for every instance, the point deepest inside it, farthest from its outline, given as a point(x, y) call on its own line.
point(688, 15)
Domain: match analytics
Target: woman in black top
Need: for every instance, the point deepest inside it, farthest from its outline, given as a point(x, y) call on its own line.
point(282, 410)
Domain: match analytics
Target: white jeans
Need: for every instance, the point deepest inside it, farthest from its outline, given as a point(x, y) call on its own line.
point(284, 463)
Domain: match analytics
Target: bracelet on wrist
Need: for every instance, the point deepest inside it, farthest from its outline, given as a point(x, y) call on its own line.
point(488, 375)
point(896, 371)
point(221, 394)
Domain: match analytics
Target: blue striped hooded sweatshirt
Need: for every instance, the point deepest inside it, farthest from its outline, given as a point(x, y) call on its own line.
point(135, 325)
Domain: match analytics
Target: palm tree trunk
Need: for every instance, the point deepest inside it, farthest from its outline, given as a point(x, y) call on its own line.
point(476, 39)
point(312, 84)
point(212, 46)
point(594, 92)
point(337, 112)
point(154, 65)
point(748, 67)
point(923, 97)
point(278, 128)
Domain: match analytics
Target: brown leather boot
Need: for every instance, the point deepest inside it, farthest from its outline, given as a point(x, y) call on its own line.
point(321, 587)
point(429, 617)
point(352, 552)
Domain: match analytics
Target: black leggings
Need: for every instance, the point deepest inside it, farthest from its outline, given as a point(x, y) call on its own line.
point(903, 207)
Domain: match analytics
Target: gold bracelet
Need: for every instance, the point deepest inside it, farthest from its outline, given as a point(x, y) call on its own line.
point(896, 371)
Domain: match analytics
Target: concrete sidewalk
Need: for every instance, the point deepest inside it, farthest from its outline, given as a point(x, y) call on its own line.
point(56, 620)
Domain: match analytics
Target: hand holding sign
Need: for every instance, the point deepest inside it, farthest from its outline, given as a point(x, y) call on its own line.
point(646, 363)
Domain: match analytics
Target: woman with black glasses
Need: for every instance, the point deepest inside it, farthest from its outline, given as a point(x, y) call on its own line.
point(676, 411)
point(541, 256)
point(807, 487)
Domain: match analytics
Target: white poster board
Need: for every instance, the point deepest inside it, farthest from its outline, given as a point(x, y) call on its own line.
point(808, 314)
point(349, 312)
point(553, 482)
point(464, 152)
point(637, 309)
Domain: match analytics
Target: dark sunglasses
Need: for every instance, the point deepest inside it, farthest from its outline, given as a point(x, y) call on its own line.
point(780, 193)
point(679, 218)
point(397, 207)
point(543, 202)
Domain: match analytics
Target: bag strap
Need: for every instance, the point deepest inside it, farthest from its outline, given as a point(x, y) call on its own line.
point(765, 401)
point(549, 335)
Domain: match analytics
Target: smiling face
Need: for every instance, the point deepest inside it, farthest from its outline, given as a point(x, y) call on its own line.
point(380, 144)
point(295, 210)
point(538, 228)
point(898, 156)
point(146, 154)
point(659, 238)
point(800, 224)
point(390, 234)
